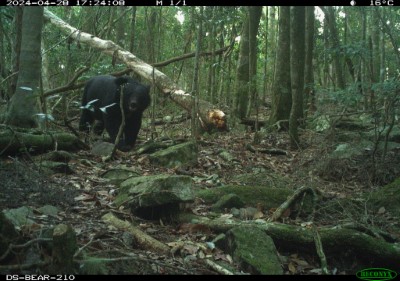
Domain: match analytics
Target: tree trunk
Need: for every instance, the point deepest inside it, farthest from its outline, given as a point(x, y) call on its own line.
point(254, 21)
point(242, 74)
point(297, 48)
point(210, 118)
point(195, 84)
point(132, 30)
point(281, 95)
point(309, 70)
point(265, 68)
point(151, 20)
point(363, 65)
point(375, 54)
point(16, 50)
point(3, 71)
point(23, 104)
point(335, 43)
point(120, 37)
point(273, 30)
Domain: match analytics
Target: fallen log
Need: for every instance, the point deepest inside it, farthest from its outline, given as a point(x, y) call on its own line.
point(336, 240)
point(13, 140)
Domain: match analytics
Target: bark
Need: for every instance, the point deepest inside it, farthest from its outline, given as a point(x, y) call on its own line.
point(195, 83)
point(281, 98)
point(17, 22)
point(265, 69)
point(206, 112)
point(132, 29)
point(245, 87)
point(309, 97)
point(254, 21)
point(23, 104)
point(297, 48)
point(375, 54)
point(242, 74)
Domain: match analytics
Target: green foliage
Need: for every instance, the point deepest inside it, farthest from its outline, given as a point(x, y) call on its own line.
point(387, 89)
point(348, 97)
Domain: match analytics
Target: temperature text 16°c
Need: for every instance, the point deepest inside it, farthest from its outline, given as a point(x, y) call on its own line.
point(382, 2)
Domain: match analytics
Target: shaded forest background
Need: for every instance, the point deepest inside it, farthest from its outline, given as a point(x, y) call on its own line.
point(301, 64)
point(309, 97)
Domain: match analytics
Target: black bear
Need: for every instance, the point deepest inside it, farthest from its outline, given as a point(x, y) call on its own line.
point(101, 101)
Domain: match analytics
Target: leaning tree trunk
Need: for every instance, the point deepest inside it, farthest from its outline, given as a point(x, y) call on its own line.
point(210, 118)
point(23, 104)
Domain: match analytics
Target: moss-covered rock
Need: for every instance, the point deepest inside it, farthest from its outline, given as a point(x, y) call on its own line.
point(387, 196)
point(176, 156)
point(152, 196)
point(254, 250)
point(228, 201)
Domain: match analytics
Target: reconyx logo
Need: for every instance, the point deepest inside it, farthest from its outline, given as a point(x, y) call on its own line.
point(376, 274)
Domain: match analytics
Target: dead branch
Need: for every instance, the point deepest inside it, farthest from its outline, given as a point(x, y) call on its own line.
point(191, 55)
point(141, 238)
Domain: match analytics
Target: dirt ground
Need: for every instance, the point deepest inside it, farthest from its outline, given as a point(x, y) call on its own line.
point(84, 196)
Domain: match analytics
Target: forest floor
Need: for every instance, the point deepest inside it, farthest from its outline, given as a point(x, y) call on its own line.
point(84, 196)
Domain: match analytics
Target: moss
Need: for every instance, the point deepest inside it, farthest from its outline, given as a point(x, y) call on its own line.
point(387, 196)
point(250, 195)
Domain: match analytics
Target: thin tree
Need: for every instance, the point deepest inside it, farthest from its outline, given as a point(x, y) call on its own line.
point(309, 97)
point(195, 85)
point(23, 104)
point(330, 19)
point(297, 52)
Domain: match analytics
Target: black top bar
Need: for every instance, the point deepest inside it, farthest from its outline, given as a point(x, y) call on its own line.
point(166, 3)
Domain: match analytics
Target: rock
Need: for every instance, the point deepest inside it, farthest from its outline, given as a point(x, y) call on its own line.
point(56, 167)
point(228, 201)
point(57, 156)
point(119, 174)
point(102, 148)
point(247, 213)
point(253, 250)
point(49, 210)
point(8, 234)
point(155, 196)
point(19, 217)
point(175, 156)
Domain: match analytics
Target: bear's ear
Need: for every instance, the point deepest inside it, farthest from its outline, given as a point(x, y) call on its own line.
point(121, 80)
